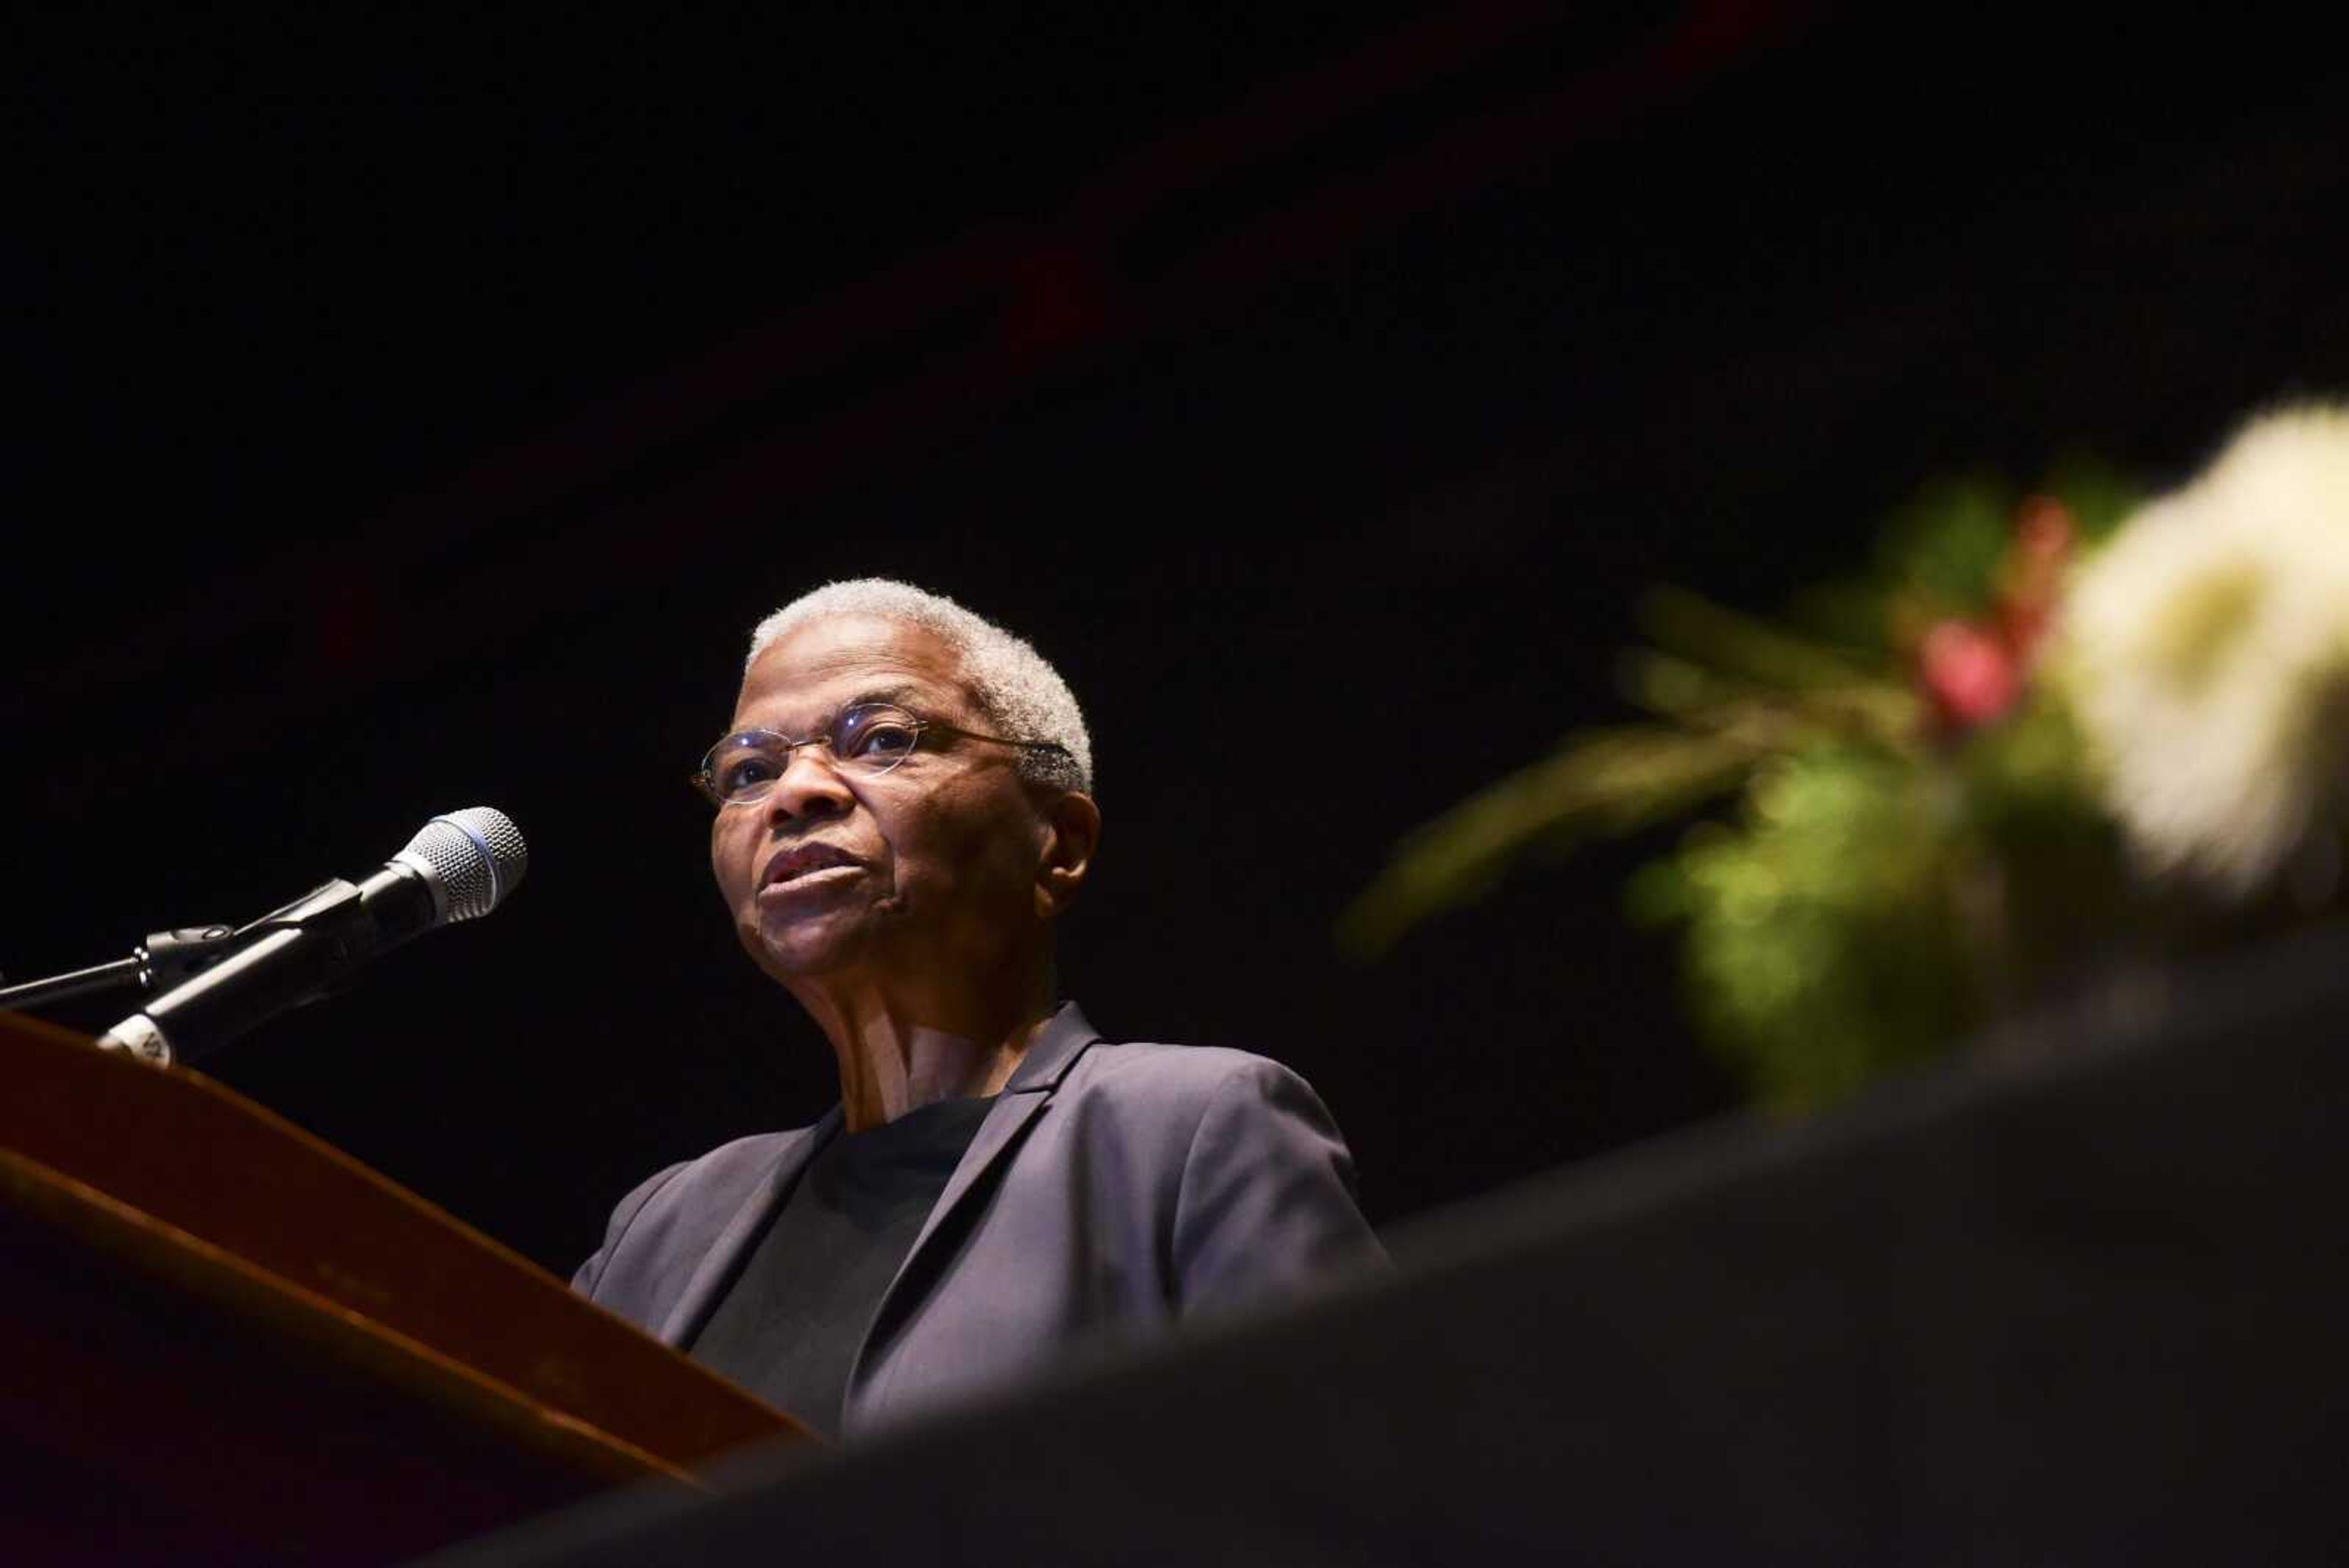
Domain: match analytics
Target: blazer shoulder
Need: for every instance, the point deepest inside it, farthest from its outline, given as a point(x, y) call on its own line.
point(1150, 1095)
point(1253, 1181)
point(1153, 1068)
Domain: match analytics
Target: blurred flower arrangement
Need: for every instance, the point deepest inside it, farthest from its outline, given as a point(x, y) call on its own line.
point(2045, 736)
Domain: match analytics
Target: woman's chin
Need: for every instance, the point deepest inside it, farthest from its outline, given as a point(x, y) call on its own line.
point(806, 947)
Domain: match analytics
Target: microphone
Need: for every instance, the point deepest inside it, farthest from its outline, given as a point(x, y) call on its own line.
point(459, 867)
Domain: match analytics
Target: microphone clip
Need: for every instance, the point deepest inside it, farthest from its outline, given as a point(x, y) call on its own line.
point(167, 958)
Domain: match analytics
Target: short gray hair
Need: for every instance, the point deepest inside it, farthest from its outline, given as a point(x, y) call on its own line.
point(1022, 697)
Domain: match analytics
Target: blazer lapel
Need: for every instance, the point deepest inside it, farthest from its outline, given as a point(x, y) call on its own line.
point(1048, 1061)
point(722, 1261)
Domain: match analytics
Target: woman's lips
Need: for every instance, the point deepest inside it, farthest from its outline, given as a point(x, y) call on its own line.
point(799, 861)
point(784, 884)
point(804, 870)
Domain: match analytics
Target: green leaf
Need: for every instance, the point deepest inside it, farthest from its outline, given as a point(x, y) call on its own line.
point(1941, 549)
point(1821, 944)
point(1708, 634)
point(1610, 781)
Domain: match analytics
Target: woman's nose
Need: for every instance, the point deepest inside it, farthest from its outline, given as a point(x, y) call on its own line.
point(810, 785)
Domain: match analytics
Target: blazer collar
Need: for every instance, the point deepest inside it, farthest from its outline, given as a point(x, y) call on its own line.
point(1056, 1046)
point(1063, 1039)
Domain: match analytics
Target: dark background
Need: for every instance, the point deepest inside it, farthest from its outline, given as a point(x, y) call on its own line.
point(415, 414)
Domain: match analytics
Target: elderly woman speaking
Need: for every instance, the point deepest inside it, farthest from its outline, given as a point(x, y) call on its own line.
point(904, 812)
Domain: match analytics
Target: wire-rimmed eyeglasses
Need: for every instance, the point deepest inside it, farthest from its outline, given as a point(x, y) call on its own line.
point(863, 738)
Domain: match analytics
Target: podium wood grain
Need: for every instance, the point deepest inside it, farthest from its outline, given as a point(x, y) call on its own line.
point(223, 1334)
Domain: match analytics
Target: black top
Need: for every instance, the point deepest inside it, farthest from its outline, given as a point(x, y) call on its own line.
point(790, 1325)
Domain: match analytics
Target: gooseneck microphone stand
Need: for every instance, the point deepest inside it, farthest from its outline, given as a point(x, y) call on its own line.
point(163, 959)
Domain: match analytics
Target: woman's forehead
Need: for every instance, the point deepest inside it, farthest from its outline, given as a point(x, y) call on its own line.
point(843, 659)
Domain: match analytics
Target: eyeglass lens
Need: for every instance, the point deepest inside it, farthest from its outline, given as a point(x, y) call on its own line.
point(870, 737)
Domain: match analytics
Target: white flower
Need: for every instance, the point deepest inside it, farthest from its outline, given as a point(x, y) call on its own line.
point(2206, 648)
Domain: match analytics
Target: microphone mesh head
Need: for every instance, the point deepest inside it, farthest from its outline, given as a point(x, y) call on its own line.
point(476, 855)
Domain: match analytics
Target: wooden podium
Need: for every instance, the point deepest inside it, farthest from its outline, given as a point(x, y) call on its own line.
point(221, 1340)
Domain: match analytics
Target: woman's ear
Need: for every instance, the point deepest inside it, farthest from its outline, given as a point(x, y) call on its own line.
point(1072, 834)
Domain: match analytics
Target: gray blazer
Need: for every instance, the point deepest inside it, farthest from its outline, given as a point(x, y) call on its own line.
point(1112, 1191)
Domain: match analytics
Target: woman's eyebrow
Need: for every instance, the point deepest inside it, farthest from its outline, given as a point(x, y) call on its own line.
point(895, 696)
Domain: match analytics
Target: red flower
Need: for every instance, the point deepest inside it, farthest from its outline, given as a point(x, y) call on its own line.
point(1974, 672)
point(1969, 674)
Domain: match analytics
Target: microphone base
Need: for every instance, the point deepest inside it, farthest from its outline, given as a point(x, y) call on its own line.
point(139, 1035)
